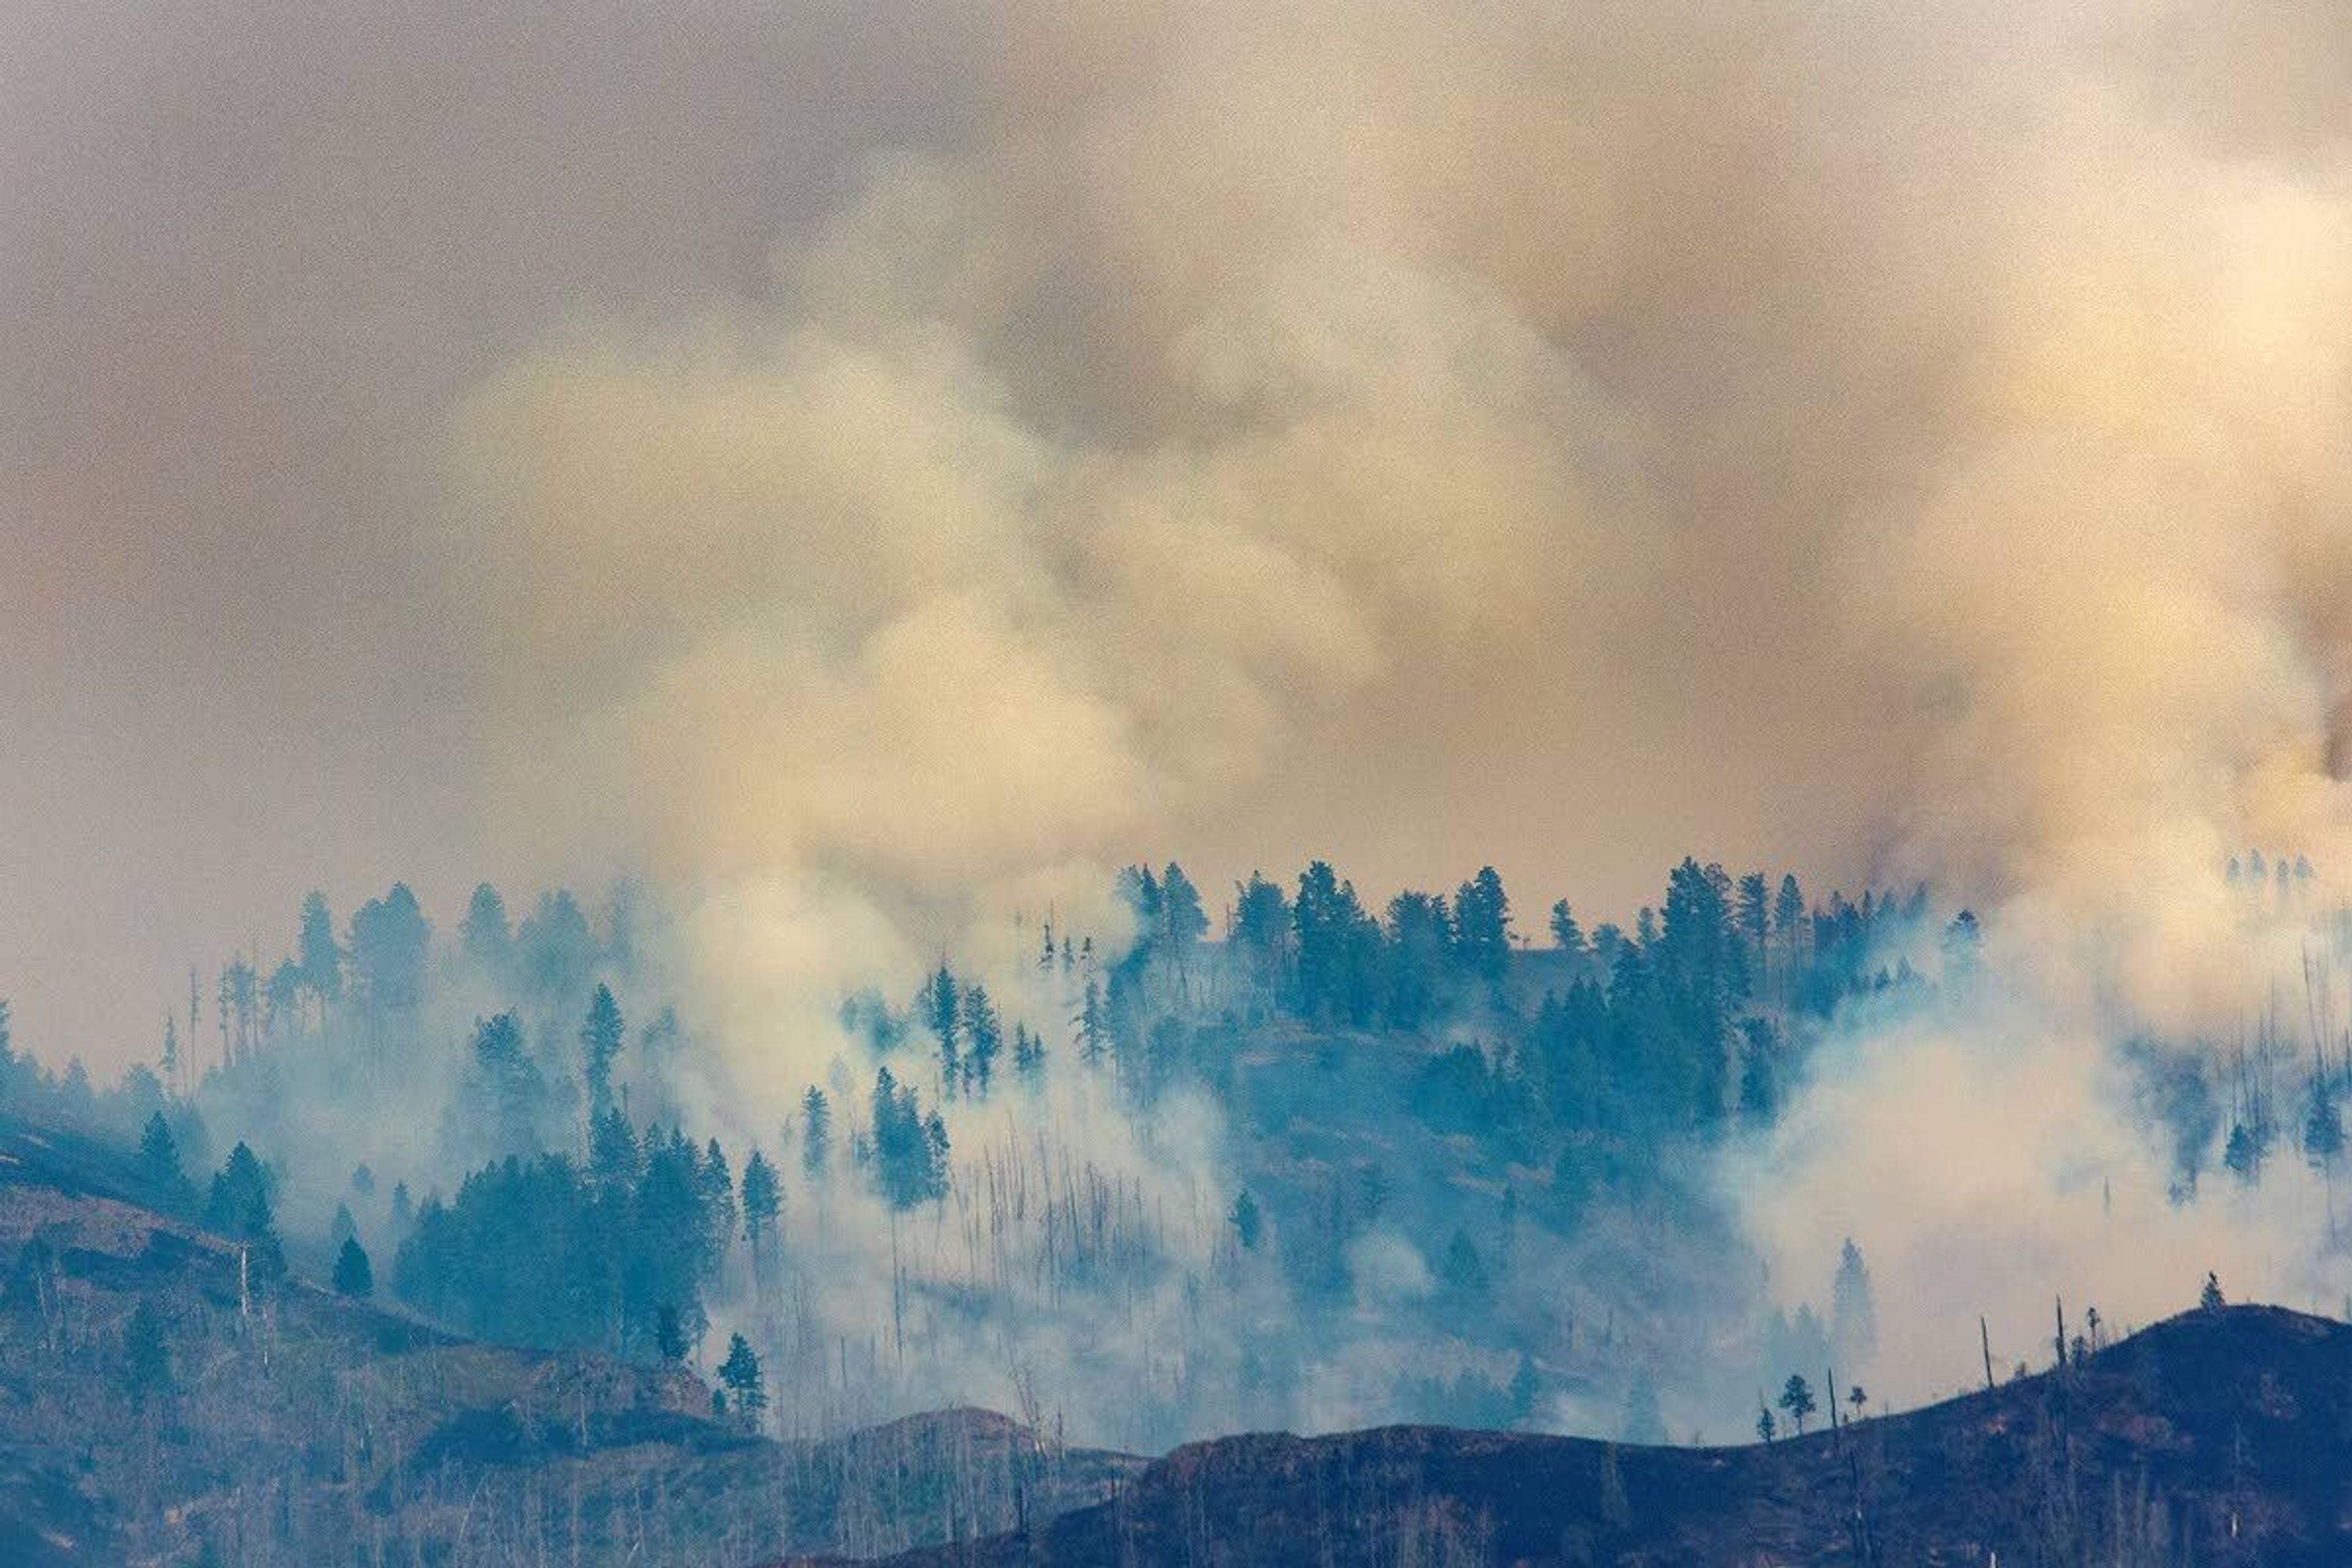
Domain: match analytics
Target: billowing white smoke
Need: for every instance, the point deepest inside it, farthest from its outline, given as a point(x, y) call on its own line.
point(1887, 440)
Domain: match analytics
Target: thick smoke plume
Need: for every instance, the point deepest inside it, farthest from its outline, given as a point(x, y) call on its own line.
point(1893, 441)
point(1927, 426)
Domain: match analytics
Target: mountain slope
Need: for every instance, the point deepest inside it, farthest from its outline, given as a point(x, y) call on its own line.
point(2215, 1438)
point(304, 1427)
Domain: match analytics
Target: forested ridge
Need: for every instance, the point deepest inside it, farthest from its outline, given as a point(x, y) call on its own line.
point(1284, 1161)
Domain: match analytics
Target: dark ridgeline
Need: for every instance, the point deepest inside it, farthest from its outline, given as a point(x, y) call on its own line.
point(2215, 1438)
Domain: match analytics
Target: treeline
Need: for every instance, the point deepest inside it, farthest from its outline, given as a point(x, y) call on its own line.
point(614, 1255)
point(1682, 1021)
point(569, 1204)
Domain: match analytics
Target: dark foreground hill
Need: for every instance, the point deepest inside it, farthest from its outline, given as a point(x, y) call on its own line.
point(296, 1426)
point(2217, 1439)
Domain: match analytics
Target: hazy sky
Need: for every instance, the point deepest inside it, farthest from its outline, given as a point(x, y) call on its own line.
point(919, 454)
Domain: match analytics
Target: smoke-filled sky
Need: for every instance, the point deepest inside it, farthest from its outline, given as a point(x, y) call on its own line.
point(879, 465)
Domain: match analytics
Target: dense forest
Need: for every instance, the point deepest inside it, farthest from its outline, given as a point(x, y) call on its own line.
point(1292, 1162)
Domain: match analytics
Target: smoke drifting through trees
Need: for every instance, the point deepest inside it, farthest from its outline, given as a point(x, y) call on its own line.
point(1330, 1170)
point(1547, 385)
point(1200, 426)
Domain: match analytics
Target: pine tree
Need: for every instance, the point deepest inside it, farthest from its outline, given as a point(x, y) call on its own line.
point(741, 1375)
point(817, 1133)
point(2211, 1298)
point(1797, 1399)
point(388, 945)
point(614, 1159)
point(1182, 922)
point(599, 1047)
point(507, 1084)
point(943, 1009)
point(353, 1275)
point(241, 1187)
point(1789, 920)
point(1755, 913)
point(318, 956)
point(984, 1035)
point(1566, 934)
point(1093, 1026)
point(485, 937)
point(1028, 1055)
point(159, 1163)
point(762, 1201)
point(555, 950)
point(719, 1213)
point(909, 1150)
point(1482, 925)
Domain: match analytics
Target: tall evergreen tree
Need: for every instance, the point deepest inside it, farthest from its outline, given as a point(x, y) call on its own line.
point(1182, 922)
point(1337, 947)
point(817, 1134)
point(555, 948)
point(601, 1036)
point(389, 940)
point(354, 1274)
point(943, 1011)
point(909, 1149)
point(509, 1091)
point(1566, 934)
point(1028, 1055)
point(984, 1035)
point(159, 1163)
point(615, 1161)
point(485, 937)
point(1789, 920)
point(240, 1207)
point(1261, 931)
point(318, 957)
point(1797, 1399)
point(718, 1187)
point(1421, 946)
point(1094, 1032)
point(741, 1375)
point(1756, 915)
point(762, 1202)
point(1482, 925)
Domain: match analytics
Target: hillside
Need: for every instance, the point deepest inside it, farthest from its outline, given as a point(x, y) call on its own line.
point(2214, 1439)
point(300, 1426)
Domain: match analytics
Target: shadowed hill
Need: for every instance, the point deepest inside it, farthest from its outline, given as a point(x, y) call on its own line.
point(2218, 1438)
point(298, 1426)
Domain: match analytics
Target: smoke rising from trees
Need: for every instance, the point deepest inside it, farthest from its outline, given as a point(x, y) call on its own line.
point(876, 480)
